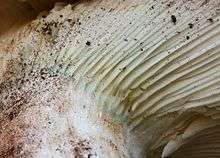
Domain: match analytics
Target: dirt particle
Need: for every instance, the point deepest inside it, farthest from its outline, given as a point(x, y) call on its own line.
point(190, 25)
point(46, 29)
point(173, 18)
point(102, 8)
point(124, 68)
point(88, 43)
point(187, 37)
point(210, 20)
point(78, 21)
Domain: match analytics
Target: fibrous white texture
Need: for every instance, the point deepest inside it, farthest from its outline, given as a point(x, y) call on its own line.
point(109, 78)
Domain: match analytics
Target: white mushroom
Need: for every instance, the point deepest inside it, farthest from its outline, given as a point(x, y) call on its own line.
point(125, 78)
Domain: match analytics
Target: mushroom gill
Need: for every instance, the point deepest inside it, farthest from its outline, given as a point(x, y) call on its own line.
point(125, 78)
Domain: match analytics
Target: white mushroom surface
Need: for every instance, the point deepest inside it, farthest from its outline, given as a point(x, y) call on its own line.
point(110, 79)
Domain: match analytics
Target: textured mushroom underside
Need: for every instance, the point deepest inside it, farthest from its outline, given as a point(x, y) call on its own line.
point(131, 78)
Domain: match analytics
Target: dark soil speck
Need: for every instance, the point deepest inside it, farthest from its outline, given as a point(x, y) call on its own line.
point(210, 19)
point(173, 18)
point(190, 25)
point(88, 43)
